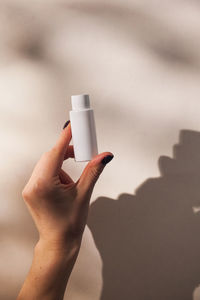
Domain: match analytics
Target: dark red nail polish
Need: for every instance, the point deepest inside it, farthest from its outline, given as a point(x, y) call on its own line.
point(107, 159)
point(65, 125)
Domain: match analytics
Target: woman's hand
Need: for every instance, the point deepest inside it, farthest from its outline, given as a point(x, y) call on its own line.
point(59, 207)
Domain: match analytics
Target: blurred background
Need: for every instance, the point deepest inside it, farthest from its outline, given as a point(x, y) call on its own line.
point(139, 61)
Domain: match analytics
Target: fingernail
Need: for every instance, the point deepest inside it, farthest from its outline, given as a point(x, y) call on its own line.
point(65, 125)
point(107, 159)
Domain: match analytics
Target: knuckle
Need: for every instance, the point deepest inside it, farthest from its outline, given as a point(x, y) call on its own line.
point(95, 172)
point(54, 150)
point(45, 154)
point(37, 189)
point(26, 194)
point(48, 154)
point(40, 186)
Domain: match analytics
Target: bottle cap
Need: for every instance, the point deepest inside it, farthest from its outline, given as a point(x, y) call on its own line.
point(80, 102)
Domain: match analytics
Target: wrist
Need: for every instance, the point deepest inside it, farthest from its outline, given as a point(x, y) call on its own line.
point(50, 270)
point(57, 251)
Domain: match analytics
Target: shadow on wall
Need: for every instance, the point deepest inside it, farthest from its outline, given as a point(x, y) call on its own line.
point(139, 26)
point(149, 242)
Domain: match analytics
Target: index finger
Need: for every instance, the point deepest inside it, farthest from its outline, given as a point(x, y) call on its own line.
point(57, 153)
point(64, 139)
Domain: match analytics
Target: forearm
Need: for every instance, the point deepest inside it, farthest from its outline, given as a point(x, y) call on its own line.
point(49, 272)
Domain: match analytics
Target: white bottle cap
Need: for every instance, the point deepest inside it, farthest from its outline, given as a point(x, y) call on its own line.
point(80, 102)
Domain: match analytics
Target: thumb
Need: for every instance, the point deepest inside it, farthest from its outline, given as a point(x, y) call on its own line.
point(92, 172)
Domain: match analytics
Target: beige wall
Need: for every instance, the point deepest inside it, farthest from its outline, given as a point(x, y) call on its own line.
point(140, 63)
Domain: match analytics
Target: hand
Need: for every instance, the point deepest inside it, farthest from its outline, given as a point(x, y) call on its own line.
point(58, 205)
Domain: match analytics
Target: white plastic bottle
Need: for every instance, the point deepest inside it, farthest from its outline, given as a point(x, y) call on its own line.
point(83, 128)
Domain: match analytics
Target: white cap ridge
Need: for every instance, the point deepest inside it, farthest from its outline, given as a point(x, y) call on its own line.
point(80, 102)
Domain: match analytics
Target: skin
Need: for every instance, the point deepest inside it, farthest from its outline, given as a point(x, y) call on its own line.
point(59, 207)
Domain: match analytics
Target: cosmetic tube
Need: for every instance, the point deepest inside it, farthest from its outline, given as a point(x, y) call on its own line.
point(83, 128)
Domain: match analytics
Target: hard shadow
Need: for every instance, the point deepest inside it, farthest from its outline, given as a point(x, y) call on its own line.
point(149, 242)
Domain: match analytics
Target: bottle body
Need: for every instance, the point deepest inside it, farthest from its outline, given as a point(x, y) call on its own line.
point(83, 134)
